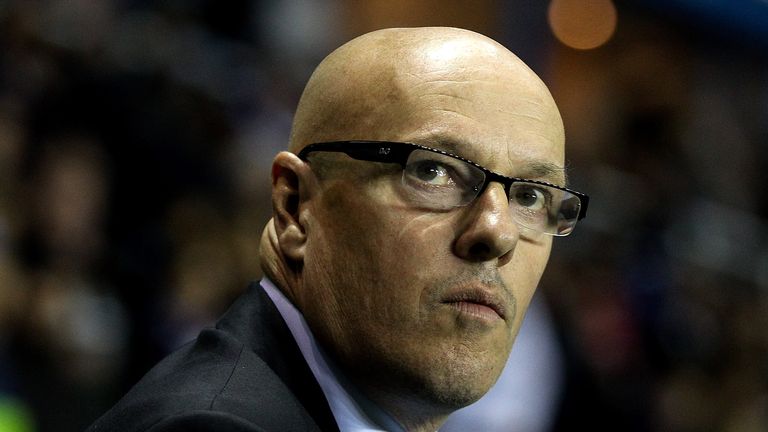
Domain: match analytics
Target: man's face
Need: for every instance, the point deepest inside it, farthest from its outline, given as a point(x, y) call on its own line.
point(428, 303)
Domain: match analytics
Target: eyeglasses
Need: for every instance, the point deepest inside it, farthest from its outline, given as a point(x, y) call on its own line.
point(439, 180)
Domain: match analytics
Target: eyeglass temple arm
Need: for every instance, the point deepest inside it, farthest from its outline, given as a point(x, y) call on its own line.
point(584, 201)
point(364, 150)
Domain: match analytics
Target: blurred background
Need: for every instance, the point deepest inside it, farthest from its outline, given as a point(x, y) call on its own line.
point(136, 138)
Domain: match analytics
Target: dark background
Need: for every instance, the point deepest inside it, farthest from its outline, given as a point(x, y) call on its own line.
point(135, 143)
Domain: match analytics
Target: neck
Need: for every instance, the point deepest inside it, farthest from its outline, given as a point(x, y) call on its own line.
point(416, 421)
point(423, 425)
point(413, 414)
point(272, 263)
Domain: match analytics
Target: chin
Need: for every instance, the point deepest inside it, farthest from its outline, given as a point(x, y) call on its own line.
point(459, 396)
point(459, 383)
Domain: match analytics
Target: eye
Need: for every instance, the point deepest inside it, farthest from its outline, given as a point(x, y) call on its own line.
point(530, 197)
point(431, 172)
point(440, 181)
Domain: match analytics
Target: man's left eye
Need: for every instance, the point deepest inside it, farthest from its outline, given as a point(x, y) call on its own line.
point(530, 198)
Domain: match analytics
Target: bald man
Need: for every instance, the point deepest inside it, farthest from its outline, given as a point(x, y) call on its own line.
point(413, 216)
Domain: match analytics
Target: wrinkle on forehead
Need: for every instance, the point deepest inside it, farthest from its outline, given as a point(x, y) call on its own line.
point(485, 87)
point(522, 107)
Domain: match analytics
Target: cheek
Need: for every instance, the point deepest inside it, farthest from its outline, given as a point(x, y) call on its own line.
point(400, 253)
point(376, 263)
point(349, 256)
point(420, 240)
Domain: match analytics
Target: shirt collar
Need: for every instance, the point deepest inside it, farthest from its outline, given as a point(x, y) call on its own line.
point(352, 410)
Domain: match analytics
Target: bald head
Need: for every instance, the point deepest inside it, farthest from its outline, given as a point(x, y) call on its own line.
point(370, 87)
point(396, 290)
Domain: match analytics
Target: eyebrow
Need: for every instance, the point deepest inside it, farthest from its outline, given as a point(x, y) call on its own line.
point(548, 171)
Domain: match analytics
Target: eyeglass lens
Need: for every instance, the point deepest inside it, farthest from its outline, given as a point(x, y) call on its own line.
point(442, 182)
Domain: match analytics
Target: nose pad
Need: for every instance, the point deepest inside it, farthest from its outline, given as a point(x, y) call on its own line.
point(488, 232)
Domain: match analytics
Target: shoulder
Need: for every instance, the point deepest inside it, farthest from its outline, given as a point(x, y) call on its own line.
point(199, 421)
point(215, 383)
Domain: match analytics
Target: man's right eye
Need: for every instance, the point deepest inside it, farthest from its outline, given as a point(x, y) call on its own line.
point(431, 172)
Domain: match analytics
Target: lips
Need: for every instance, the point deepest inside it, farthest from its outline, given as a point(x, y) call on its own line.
point(476, 301)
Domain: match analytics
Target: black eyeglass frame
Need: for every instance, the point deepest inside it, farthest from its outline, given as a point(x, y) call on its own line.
point(398, 152)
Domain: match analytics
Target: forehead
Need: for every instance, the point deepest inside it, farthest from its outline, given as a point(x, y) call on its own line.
point(507, 123)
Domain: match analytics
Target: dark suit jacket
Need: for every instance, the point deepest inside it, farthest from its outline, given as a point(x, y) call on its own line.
point(246, 374)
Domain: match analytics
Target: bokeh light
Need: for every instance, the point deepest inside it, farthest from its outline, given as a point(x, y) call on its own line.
point(582, 24)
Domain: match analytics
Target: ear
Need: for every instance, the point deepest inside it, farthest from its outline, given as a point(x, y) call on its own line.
point(291, 187)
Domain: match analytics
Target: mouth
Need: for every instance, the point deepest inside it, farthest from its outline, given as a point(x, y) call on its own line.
point(477, 302)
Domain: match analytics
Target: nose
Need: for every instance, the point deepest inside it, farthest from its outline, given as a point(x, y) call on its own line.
point(488, 232)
